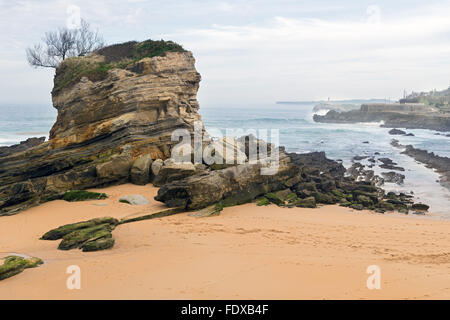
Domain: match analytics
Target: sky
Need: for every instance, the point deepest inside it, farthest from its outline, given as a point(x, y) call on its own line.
point(253, 52)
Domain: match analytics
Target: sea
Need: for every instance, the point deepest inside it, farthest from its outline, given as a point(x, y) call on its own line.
point(297, 132)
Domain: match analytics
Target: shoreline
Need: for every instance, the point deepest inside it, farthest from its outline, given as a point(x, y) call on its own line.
point(247, 252)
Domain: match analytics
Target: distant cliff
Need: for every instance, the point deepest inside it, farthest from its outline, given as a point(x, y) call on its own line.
point(113, 106)
point(410, 116)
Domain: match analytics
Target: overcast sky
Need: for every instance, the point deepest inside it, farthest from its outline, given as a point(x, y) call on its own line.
point(251, 52)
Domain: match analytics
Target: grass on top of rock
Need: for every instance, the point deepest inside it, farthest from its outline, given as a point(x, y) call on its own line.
point(118, 56)
point(81, 195)
point(13, 265)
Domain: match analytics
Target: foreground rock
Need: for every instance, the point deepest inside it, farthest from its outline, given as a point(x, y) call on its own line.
point(114, 106)
point(14, 265)
point(303, 180)
point(92, 235)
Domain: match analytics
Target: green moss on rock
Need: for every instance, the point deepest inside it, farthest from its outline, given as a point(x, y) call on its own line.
point(78, 238)
point(81, 195)
point(60, 232)
point(273, 198)
point(99, 244)
point(263, 202)
point(14, 265)
point(306, 203)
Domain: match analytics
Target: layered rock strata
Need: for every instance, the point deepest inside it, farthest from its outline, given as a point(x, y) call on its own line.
point(123, 106)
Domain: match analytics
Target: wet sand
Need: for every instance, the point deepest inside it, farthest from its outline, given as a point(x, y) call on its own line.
point(247, 252)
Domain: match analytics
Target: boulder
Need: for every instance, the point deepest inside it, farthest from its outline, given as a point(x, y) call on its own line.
point(172, 172)
point(396, 132)
point(117, 169)
point(420, 207)
point(140, 171)
point(134, 199)
point(393, 177)
point(309, 202)
point(156, 167)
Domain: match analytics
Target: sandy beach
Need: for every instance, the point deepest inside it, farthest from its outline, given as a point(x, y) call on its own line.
point(247, 252)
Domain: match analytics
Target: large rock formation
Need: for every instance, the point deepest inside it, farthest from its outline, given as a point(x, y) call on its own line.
point(114, 106)
point(394, 116)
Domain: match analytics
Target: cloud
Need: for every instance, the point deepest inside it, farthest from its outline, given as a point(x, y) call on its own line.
point(252, 51)
point(304, 58)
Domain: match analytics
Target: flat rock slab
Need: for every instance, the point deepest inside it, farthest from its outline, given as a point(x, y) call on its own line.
point(134, 199)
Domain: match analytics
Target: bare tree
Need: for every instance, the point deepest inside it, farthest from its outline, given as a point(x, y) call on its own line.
point(64, 43)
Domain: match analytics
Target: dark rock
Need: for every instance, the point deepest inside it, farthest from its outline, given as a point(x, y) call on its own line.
point(393, 177)
point(60, 232)
point(306, 203)
point(358, 158)
point(81, 195)
point(392, 119)
point(396, 132)
point(273, 198)
point(420, 207)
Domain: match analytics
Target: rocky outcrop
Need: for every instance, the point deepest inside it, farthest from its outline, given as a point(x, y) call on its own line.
point(302, 180)
point(114, 106)
point(22, 146)
point(431, 160)
point(433, 121)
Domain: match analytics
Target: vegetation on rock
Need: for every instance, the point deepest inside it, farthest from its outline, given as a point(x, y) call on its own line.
point(81, 195)
point(13, 265)
point(89, 235)
point(118, 56)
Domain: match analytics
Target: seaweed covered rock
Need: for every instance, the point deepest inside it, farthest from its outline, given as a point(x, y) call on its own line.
point(81, 195)
point(60, 232)
point(306, 203)
point(13, 265)
point(78, 238)
point(89, 235)
point(234, 185)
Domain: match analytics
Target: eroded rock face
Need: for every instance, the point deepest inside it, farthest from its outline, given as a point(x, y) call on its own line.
point(103, 126)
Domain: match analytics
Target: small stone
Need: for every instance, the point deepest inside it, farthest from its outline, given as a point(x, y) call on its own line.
point(134, 199)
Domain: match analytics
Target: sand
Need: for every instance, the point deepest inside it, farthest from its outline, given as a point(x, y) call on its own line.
point(247, 252)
